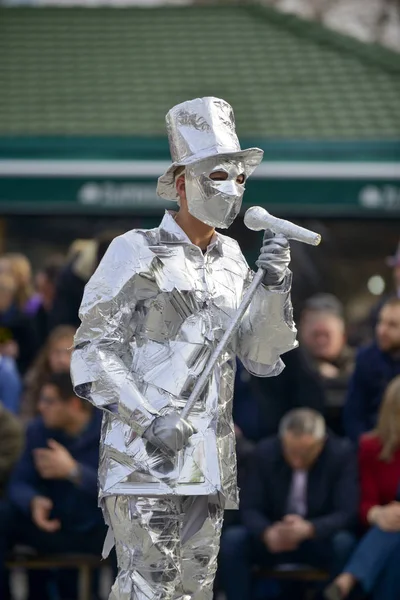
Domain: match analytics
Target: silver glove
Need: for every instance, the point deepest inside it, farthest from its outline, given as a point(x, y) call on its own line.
point(169, 433)
point(274, 258)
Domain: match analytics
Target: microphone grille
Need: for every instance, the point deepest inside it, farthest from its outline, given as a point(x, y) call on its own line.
point(254, 218)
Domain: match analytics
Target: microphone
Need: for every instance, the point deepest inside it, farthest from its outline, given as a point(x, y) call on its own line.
point(257, 218)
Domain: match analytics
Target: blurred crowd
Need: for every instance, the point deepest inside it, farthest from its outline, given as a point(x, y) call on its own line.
point(374, 21)
point(318, 446)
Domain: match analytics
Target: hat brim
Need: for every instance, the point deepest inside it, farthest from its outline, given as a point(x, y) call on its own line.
point(166, 183)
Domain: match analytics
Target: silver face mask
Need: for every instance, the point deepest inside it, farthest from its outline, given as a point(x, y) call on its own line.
point(216, 203)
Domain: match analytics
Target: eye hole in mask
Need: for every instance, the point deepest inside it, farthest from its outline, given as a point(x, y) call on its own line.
point(223, 176)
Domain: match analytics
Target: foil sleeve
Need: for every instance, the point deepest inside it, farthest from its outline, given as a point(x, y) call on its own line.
point(267, 330)
point(102, 355)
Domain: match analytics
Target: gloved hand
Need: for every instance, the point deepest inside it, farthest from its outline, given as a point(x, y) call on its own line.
point(274, 257)
point(169, 433)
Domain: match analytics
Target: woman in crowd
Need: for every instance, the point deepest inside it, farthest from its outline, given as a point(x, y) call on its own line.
point(18, 266)
point(55, 357)
point(375, 562)
point(18, 338)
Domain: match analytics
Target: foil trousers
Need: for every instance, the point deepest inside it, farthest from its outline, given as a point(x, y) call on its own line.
point(167, 547)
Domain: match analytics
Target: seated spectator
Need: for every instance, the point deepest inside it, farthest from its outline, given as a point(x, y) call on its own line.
point(298, 506)
point(46, 281)
point(11, 443)
point(322, 334)
point(18, 337)
point(55, 357)
point(10, 384)
point(53, 490)
point(376, 366)
point(18, 266)
point(259, 403)
point(375, 561)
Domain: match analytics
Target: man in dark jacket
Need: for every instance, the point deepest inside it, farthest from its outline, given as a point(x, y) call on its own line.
point(322, 334)
point(298, 506)
point(53, 489)
point(376, 366)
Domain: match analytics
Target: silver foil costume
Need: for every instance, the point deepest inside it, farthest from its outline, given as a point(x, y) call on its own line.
point(151, 316)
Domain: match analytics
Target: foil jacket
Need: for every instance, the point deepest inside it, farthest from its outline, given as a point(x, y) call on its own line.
point(151, 316)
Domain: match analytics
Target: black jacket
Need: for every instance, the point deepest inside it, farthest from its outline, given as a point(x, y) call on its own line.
point(75, 506)
point(297, 386)
point(68, 298)
point(332, 490)
point(373, 373)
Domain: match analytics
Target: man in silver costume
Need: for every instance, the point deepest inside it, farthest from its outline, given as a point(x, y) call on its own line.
point(151, 315)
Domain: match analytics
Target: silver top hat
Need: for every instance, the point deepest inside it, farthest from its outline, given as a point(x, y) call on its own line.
point(199, 129)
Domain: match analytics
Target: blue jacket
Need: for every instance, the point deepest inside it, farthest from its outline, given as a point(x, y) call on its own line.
point(373, 371)
point(10, 384)
point(75, 505)
point(332, 488)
